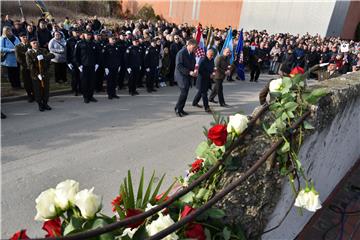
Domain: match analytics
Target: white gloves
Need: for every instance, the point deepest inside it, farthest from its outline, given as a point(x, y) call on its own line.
point(129, 70)
point(70, 66)
point(323, 64)
point(81, 68)
point(96, 67)
point(39, 76)
point(119, 69)
point(140, 67)
point(148, 69)
point(40, 57)
point(107, 71)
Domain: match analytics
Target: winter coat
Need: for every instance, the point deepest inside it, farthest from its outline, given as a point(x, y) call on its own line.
point(8, 47)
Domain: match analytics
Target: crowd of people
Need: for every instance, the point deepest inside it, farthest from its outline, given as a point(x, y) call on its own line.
point(139, 52)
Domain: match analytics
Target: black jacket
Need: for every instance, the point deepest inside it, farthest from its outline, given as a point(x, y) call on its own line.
point(206, 68)
point(86, 53)
point(133, 57)
point(151, 59)
point(113, 56)
point(70, 49)
point(185, 63)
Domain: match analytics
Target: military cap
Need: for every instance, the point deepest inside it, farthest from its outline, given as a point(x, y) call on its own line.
point(22, 34)
point(33, 39)
point(88, 32)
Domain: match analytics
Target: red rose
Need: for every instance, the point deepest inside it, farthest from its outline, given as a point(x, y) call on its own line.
point(116, 202)
point(218, 134)
point(52, 227)
point(187, 210)
point(158, 197)
point(131, 213)
point(19, 235)
point(196, 166)
point(195, 231)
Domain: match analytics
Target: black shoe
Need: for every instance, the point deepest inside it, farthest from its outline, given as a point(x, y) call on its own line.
point(31, 99)
point(149, 90)
point(251, 80)
point(237, 78)
point(231, 80)
point(136, 93)
point(116, 96)
point(184, 113)
point(256, 80)
point(92, 99)
point(140, 86)
point(47, 107)
point(76, 93)
point(110, 97)
point(197, 105)
point(154, 90)
point(213, 101)
point(208, 110)
point(179, 114)
point(3, 116)
point(86, 100)
point(41, 107)
point(225, 105)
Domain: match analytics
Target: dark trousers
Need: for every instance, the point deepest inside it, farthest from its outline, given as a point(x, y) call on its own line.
point(41, 90)
point(133, 79)
point(182, 99)
point(60, 72)
point(14, 76)
point(254, 72)
point(26, 78)
point(218, 90)
point(111, 82)
point(203, 95)
point(88, 81)
point(171, 73)
point(99, 79)
point(75, 80)
point(121, 77)
point(150, 79)
point(139, 80)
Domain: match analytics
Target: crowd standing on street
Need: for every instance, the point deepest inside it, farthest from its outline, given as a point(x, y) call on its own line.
point(151, 55)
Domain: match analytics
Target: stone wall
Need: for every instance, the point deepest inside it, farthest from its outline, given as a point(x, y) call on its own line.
point(327, 153)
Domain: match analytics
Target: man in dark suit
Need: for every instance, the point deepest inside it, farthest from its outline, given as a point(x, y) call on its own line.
point(184, 72)
point(203, 82)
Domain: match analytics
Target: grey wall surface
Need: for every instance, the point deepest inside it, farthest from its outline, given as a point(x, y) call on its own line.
point(287, 16)
point(338, 18)
point(327, 155)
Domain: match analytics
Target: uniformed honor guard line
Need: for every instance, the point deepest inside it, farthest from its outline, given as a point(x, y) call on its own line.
point(216, 198)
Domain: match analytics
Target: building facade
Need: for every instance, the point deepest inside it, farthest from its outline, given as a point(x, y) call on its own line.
point(326, 17)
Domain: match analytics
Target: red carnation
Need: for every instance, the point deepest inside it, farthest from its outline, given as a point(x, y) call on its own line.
point(19, 235)
point(218, 134)
point(131, 213)
point(196, 166)
point(158, 197)
point(187, 210)
point(296, 70)
point(195, 231)
point(116, 202)
point(52, 227)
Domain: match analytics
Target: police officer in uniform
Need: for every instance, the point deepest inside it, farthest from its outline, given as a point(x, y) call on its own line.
point(20, 51)
point(85, 57)
point(112, 63)
point(100, 44)
point(74, 70)
point(38, 62)
point(122, 45)
point(151, 63)
point(133, 62)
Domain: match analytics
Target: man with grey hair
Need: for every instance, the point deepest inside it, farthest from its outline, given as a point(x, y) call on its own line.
point(184, 72)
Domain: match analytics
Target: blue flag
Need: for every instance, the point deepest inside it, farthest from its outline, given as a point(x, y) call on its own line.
point(229, 44)
point(240, 59)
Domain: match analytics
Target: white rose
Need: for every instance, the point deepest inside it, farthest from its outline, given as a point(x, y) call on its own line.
point(275, 85)
point(308, 200)
point(129, 232)
point(88, 203)
point(160, 224)
point(237, 123)
point(45, 205)
point(65, 193)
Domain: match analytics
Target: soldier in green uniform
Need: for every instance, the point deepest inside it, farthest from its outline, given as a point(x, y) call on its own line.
point(38, 61)
point(20, 51)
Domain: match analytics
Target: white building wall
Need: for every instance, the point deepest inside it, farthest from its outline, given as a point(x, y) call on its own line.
point(291, 16)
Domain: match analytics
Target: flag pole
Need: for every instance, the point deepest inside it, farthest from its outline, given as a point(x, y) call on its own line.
point(21, 10)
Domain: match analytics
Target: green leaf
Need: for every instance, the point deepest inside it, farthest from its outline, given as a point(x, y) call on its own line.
point(140, 234)
point(166, 193)
point(215, 213)
point(131, 191)
point(99, 223)
point(75, 225)
point(307, 125)
point(140, 190)
point(291, 106)
point(188, 198)
point(207, 234)
point(284, 116)
point(272, 129)
point(200, 195)
point(314, 96)
point(201, 149)
point(155, 193)
point(148, 191)
point(290, 114)
point(226, 233)
point(285, 147)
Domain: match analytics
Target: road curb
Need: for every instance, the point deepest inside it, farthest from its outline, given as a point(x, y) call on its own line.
point(24, 97)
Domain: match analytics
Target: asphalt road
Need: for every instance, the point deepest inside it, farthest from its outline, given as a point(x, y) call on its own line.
point(97, 143)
